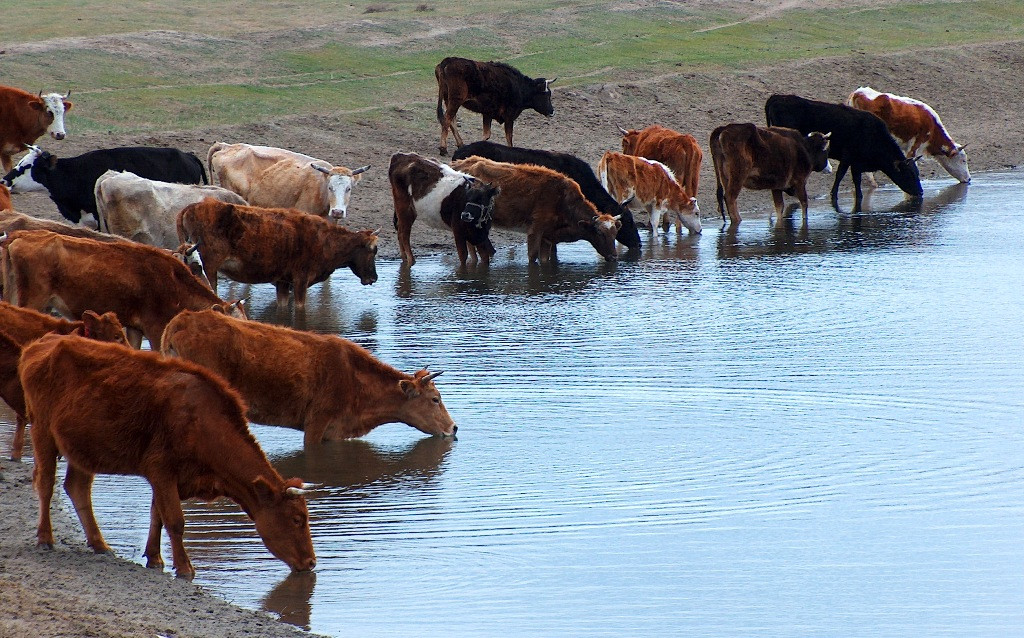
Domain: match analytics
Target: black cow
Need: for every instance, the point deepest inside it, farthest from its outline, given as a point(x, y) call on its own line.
point(572, 167)
point(71, 181)
point(443, 197)
point(494, 89)
point(860, 141)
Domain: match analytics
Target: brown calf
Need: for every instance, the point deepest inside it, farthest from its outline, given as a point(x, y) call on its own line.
point(679, 151)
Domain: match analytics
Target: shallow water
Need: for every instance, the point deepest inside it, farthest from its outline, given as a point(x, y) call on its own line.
point(780, 430)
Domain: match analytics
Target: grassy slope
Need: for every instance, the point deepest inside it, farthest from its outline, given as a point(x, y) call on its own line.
point(221, 65)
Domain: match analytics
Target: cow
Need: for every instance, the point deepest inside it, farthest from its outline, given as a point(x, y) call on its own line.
point(858, 139)
point(572, 167)
point(444, 198)
point(71, 181)
point(5, 198)
point(496, 90)
point(679, 151)
point(776, 158)
point(277, 178)
point(652, 186)
point(11, 221)
point(146, 210)
point(916, 125)
point(326, 386)
point(144, 286)
point(288, 248)
point(25, 117)
point(20, 326)
point(545, 204)
point(111, 410)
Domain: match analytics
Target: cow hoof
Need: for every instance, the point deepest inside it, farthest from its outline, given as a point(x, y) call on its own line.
point(45, 545)
point(442, 151)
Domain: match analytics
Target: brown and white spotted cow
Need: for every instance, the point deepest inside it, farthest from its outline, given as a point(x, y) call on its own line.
point(650, 185)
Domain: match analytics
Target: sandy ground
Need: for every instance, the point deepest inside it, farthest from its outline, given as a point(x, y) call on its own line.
point(71, 592)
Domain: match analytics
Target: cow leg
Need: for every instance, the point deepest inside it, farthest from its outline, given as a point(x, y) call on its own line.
point(403, 225)
point(313, 434)
point(44, 475)
point(460, 245)
point(508, 131)
point(454, 126)
point(858, 192)
point(778, 201)
point(487, 128)
point(78, 485)
point(656, 214)
point(534, 244)
point(8, 162)
point(283, 288)
point(720, 196)
point(840, 174)
point(153, 558)
point(18, 442)
point(168, 505)
point(299, 289)
point(801, 194)
point(134, 336)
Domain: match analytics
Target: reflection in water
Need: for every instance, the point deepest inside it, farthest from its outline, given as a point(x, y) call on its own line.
point(290, 599)
point(356, 463)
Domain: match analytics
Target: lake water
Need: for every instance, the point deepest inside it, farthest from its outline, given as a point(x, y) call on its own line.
point(775, 431)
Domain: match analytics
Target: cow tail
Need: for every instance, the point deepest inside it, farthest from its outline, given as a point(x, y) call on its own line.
point(440, 95)
point(101, 216)
point(202, 170)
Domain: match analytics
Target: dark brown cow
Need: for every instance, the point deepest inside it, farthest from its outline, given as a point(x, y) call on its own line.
point(545, 204)
point(679, 151)
point(494, 89)
point(443, 198)
point(25, 117)
point(144, 286)
point(112, 410)
point(20, 326)
point(775, 158)
point(283, 246)
point(324, 385)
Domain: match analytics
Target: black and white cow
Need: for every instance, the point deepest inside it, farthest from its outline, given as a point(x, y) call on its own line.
point(445, 199)
point(859, 140)
point(572, 167)
point(71, 181)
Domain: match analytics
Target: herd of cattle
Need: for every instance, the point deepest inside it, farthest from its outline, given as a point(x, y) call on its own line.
point(177, 415)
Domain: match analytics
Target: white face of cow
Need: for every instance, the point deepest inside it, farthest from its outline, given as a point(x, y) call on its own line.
point(956, 165)
point(339, 191)
point(19, 180)
point(55, 105)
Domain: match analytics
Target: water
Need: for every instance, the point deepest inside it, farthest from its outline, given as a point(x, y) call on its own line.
point(776, 431)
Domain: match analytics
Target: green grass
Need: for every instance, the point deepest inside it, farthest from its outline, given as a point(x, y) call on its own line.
point(254, 61)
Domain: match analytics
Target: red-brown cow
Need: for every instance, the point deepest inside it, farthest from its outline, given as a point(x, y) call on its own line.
point(11, 221)
point(545, 204)
point(25, 117)
point(650, 185)
point(775, 158)
point(679, 151)
point(326, 386)
point(18, 327)
point(914, 124)
point(112, 410)
point(5, 198)
point(144, 286)
point(282, 246)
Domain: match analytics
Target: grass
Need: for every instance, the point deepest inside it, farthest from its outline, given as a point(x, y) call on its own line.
point(252, 61)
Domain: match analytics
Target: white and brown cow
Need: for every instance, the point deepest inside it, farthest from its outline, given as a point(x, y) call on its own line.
point(25, 117)
point(651, 186)
point(273, 177)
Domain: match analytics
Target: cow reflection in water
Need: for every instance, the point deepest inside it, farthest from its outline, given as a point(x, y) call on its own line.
point(289, 599)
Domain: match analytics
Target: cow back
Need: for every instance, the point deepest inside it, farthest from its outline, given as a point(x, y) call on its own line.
point(679, 151)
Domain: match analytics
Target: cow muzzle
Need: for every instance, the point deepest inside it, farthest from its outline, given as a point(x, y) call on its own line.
point(57, 135)
point(366, 281)
point(338, 214)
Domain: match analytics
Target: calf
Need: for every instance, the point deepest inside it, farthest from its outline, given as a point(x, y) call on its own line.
point(326, 386)
point(776, 158)
point(169, 421)
point(444, 198)
point(144, 286)
point(20, 326)
point(71, 181)
point(25, 117)
point(286, 247)
point(652, 186)
point(859, 140)
point(572, 167)
point(545, 204)
point(679, 151)
point(915, 124)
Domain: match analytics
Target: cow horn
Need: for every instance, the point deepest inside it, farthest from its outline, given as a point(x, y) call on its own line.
point(317, 167)
point(67, 95)
point(622, 130)
point(629, 199)
point(617, 217)
point(552, 80)
point(194, 248)
point(362, 169)
point(295, 491)
point(40, 93)
point(311, 486)
point(432, 376)
point(34, 148)
point(961, 147)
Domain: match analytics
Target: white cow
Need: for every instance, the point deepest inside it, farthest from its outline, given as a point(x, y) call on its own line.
point(272, 177)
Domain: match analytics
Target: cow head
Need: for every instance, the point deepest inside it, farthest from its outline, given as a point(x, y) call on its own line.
point(954, 160)
point(29, 174)
point(817, 151)
point(689, 217)
point(363, 262)
point(52, 108)
point(629, 234)
point(340, 181)
point(188, 254)
point(600, 231)
point(904, 173)
point(478, 213)
point(282, 521)
point(103, 327)
point(423, 408)
point(540, 100)
point(629, 140)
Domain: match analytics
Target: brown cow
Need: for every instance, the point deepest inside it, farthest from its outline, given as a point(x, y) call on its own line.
point(324, 385)
point(144, 286)
point(5, 198)
point(11, 221)
point(282, 246)
point(25, 117)
point(679, 151)
point(494, 89)
point(649, 185)
point(112, 410)
point(776, 158)
point(19, 326)
point(545, 204)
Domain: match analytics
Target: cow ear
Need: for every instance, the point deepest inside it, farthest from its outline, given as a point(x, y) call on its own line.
point(408, 388)
point(38, 106)
point(68, 105)
point(264, 490)
point(217, 307)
